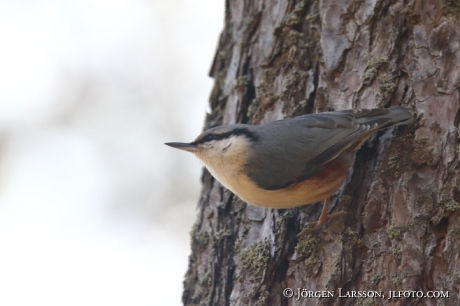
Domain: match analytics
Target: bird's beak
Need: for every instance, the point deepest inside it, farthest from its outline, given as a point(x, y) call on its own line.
point(183, 146)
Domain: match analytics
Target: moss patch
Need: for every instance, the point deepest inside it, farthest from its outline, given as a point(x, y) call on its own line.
point(387, 83)
point(306, 246)
point(395, 232)
point(348, 236)
point(222, 234)
point(372, 68)
point(376, 278)
point(255, 257)
point(397, 253)
point(451, 205)
point(397, 281)
point(307, 249)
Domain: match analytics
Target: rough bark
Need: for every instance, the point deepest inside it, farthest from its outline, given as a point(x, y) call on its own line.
point(282, 58)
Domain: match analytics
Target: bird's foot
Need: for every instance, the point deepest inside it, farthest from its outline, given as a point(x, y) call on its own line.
point(323, 218)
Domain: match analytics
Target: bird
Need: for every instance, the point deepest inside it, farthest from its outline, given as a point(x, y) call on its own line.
point(294, 161)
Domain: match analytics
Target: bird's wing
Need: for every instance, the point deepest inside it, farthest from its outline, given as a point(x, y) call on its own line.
point(295, 149)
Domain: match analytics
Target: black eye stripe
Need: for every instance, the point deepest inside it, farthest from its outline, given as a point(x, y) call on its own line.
point(210, 137)
point(236, 132)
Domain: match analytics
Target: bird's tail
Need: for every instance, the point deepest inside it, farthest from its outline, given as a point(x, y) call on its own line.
point(387, 117)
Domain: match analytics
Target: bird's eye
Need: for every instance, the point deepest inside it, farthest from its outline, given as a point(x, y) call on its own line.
point(210, 137)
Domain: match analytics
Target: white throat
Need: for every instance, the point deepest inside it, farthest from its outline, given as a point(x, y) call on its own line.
point(225, 159)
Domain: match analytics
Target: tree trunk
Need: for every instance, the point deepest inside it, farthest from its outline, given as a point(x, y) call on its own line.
point(283, 58)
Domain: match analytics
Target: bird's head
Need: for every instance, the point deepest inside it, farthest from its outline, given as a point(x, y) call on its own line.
point(220, 143)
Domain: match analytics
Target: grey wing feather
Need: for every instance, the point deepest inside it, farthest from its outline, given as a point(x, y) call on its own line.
point(295, 149)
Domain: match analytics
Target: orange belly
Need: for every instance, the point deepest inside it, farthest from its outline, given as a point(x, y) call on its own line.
point(322, 185)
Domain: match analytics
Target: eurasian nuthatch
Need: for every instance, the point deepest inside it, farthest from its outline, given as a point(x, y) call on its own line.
point(290, 162)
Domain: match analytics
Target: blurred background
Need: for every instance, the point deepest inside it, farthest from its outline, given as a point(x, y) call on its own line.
point(94, 208)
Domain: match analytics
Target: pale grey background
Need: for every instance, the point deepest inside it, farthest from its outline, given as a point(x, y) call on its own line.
point(94, 209)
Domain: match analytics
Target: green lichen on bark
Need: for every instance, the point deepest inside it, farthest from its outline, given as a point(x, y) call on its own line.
point(372, 68)
point(395, 232)
point(255, 257)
